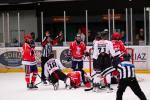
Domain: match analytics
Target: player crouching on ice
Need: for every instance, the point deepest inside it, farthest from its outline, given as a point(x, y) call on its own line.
point(28, 59)
point(53, 72)
point(76, 79)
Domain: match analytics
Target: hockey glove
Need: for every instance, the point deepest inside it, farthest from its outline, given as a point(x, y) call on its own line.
point(32, 44)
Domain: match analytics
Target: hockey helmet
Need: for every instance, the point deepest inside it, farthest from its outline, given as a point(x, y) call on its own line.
point(27, 37)
point(103, 34)
point(98, 36)
point(78, 35)
point(105, 30)
point(116, 36)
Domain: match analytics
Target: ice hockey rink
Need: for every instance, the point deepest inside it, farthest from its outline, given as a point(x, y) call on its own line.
point(13, 87)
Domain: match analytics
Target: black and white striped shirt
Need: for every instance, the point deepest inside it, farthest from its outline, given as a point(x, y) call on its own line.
point(47, 48)
point(126, 70)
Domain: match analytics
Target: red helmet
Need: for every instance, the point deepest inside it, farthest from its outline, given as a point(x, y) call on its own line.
point(115, 36)
point(27, 37)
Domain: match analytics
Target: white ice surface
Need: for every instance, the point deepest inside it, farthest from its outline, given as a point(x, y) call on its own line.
point(13, 87)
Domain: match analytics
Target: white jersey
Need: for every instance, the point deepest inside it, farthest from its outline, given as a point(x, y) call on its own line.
point(52, 65)
point(103, 46)
point(94, 42)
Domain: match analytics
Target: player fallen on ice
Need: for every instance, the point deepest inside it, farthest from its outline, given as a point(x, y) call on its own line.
point(76, 79)
point(28, 60)
point(53, 72)
point(127, 78)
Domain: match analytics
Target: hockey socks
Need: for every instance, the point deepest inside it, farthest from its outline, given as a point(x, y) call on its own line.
point(27, 78)
point(34, 78)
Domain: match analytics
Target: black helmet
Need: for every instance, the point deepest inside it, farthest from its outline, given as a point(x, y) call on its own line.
point(103, 34)
point(98, 36)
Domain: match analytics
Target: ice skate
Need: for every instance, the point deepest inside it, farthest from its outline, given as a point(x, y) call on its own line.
point(68, 83)
point(56, 86)
point(32, 86)
point(109, 89)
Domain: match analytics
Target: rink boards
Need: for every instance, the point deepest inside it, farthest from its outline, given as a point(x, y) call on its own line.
point(10, 58)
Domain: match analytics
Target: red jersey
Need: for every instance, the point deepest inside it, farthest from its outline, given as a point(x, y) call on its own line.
point(119, 47)
point(75, 77)
point(28, 57)
point(77, 50)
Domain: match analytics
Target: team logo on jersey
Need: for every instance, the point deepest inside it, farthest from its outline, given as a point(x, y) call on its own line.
point(65, 58)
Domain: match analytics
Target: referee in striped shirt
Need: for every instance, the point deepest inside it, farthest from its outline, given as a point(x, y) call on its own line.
point(46, 51)
point(127, 78)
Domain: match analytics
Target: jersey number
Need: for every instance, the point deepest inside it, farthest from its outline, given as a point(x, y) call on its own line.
point(52, 65)
point(102, 49)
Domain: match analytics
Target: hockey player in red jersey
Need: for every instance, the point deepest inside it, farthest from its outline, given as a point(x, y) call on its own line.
point(119, 47)
point(118, 44)
point(120, 50)
point(28, 60)
point(77, 51)
point(76, 77)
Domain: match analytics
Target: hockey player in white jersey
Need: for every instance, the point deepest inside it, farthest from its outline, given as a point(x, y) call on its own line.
point(97, 38)
point(53, 73)
point(103, 51)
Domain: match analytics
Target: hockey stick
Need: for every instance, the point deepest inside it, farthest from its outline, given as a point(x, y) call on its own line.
point(89, 89)
point(40, 81)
